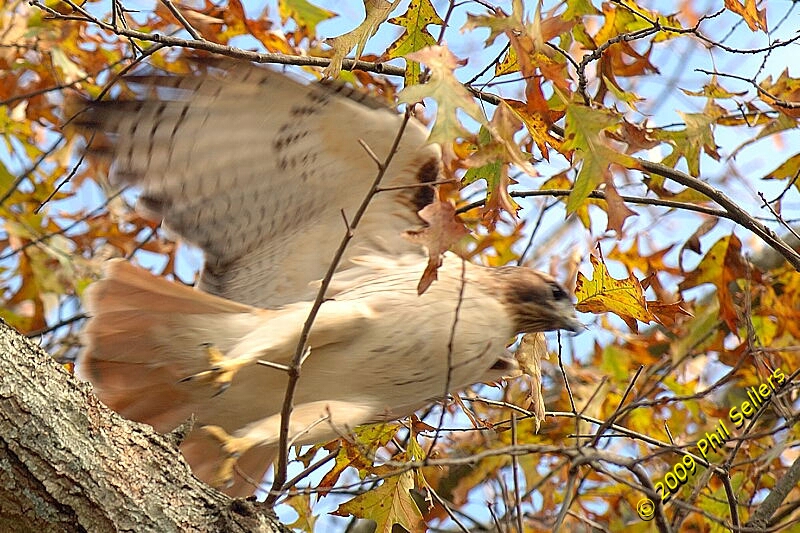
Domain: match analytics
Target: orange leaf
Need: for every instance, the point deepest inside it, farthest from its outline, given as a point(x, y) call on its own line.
point(756, 19)
point(721, 266)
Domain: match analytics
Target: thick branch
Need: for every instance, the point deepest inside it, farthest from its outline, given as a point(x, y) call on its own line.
point(68, 463)
point(761, 517)
point(737, 213)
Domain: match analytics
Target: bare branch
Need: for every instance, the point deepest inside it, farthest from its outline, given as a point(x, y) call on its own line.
point(185, 23)
point(228, 51)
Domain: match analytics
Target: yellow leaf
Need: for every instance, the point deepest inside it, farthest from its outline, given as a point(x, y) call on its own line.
point(756, 19)
point(584, 133)
point(688, 143)
point(68, 68)
point(358, 453)
point(538, 125)
point(721, 266)
point(561, 181)
point(785, 90)
point(305, 14)
point(301, 503)
point(415, 21)
point(387, 505)
point(623, 297)
point(529, 356)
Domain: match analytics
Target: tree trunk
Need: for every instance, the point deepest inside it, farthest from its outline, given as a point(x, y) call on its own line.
point(68, 463)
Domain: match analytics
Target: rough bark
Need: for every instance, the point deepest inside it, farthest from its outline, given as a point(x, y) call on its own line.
point(67, 463)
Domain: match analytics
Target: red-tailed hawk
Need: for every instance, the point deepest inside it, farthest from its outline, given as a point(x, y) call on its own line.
point(256, 169)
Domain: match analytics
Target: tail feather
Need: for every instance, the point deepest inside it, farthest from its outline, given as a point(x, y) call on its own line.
point(146, 334)
point(139, 318)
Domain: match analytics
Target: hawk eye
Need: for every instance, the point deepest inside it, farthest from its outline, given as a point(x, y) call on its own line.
point(558, 293)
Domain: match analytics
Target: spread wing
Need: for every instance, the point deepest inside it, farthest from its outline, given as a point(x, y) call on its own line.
point(256, 169)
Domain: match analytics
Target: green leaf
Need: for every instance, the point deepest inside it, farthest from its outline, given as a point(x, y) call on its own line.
point(578, 9)
point(305, 14)
point(585, 134)
point(690, 141)
point(415, 21)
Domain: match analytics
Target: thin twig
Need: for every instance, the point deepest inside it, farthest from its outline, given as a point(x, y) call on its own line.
point(775, 100)
point(737, 213)
point(30, 170)
point(41, 239)
point(614, 416)
point(229, 51)
point(64, 181)
point(302, 344)
point(60, 324)
point(515, 473)
point(778, 217)
point(730, 211)
point(447, 509)
point(185, 23)
point(602, 196)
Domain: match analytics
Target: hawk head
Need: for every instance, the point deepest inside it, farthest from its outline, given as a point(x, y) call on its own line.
point(536, 302)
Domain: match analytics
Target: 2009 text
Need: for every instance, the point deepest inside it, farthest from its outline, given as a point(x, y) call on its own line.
point(676, 478)
point(714, 440)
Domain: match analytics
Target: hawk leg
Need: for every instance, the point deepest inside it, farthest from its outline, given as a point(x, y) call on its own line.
point(310, 423)
point(233, 448)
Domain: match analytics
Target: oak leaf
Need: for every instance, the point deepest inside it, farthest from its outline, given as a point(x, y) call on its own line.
point(785, 90)
point(721, 266)
point(584, 135)
point(623, 297)
point(449, 93)
point(357, 453)
point(532, 348)
point(305, 14)
point(755, 18)
point(389, 504)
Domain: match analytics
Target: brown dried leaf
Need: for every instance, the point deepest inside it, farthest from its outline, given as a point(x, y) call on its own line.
point(532, 348)
point(377, 11)
point(721, 266)
point(443, 229)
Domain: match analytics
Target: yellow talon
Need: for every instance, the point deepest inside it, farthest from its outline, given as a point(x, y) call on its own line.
point(233, 448)
point(221, 371)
